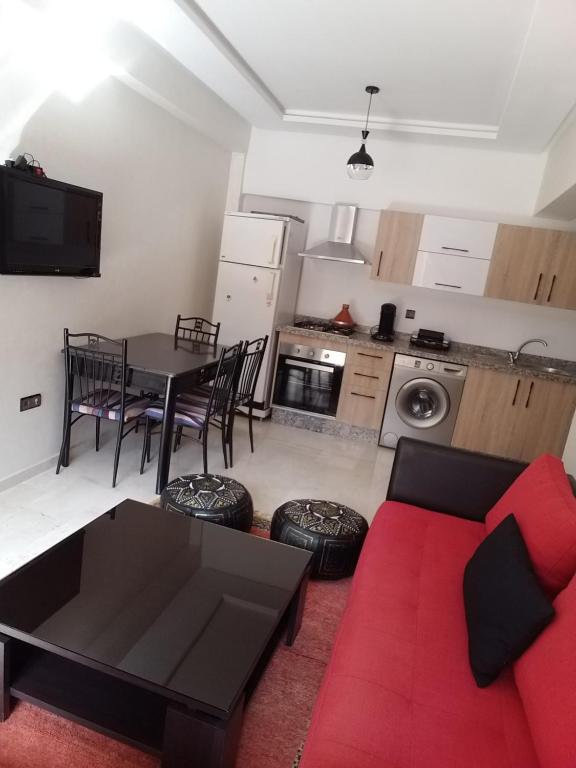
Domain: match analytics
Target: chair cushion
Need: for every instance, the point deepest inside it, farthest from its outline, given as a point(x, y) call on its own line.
point(544, 506)
point(506, 607)
point(398, 690)
point(134, 407)
point(186, 414)
point(546, 679)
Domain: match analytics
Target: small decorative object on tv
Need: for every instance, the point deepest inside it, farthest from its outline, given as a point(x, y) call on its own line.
point(48, 227)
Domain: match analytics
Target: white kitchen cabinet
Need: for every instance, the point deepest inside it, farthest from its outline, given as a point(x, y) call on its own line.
point(445, 272)
point(458, 237)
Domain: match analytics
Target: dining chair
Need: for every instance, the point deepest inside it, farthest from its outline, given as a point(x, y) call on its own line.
point(196, 329)
point(95, 385)
point(247, 374)
point(243, 394)
point(198, 411)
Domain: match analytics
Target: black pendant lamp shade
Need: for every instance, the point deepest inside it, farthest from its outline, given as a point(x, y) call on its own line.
point(360, 164)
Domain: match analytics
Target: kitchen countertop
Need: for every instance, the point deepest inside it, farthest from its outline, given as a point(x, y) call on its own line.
point(464, 354)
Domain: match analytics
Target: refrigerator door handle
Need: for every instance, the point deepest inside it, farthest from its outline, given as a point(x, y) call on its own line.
point(270, 294)
point(272, 259)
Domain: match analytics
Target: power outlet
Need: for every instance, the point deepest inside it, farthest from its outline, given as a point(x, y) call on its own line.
point(410, 314)
point(30, 401)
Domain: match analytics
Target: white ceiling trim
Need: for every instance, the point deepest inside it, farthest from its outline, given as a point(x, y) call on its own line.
point(429, 127)
point(223, 45)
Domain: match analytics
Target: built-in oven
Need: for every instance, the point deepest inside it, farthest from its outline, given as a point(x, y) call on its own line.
point(308, 379)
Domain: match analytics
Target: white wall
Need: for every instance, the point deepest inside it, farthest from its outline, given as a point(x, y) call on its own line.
point(164, 190)
point(559, 179)
point(312, 167)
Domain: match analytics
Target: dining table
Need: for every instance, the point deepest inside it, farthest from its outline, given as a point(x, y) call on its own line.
point(162, 364)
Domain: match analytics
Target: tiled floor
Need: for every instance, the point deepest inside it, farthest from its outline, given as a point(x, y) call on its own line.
point(288, 463)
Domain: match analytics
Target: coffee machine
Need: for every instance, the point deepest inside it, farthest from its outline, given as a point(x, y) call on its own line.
point(384, 331)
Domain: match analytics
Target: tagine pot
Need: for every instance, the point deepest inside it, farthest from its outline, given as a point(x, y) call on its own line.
point(343, 319)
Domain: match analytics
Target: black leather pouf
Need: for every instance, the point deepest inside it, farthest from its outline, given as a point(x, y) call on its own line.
point(214, 498)
point(333, 532)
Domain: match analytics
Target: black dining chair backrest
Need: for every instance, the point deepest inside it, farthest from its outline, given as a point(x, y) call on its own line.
point(196, 329)
point(252, 357)
point(99, 375)
point(222, 387)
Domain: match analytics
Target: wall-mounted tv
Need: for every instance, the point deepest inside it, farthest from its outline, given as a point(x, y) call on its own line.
point(48, 227)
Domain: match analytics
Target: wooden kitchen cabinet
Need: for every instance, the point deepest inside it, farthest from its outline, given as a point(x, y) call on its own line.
point(561, 290)
point(365, 386)
point(535, 266)
point(518, 417)
point(396, 246)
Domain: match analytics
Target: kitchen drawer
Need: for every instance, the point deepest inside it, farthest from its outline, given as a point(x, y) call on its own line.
point(463, 237)
point(370, 360)
point(445, 272)
point(360, 408)
point(367, 383)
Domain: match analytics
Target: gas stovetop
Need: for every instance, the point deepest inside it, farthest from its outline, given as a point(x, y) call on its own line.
point(324, 326)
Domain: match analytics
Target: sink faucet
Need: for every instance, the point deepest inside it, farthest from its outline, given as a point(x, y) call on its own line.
point(513, 356)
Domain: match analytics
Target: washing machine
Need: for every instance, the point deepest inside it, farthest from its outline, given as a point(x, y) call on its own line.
point(423, 400)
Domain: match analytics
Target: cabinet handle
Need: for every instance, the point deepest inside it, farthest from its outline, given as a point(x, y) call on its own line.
point(516, 392)
point(375, 357)
point(448, 285)
point(538, 284)
point(460, 250)
point(551, 288)
point(359, 394)
point(366, 376)
point(529, 394)
point(379, 264)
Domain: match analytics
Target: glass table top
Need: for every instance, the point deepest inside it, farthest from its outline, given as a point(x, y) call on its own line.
point(182, 604)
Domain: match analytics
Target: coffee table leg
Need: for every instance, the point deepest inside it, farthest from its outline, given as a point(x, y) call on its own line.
point(195, 740)
point(296, 610)
point(4, 678)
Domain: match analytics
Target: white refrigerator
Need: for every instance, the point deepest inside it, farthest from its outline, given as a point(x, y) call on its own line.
point(257, 285)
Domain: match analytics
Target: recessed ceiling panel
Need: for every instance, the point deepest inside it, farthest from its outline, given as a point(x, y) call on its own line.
point(449, 61)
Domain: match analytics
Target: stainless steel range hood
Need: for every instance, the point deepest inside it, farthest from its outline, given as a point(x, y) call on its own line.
point(339, 245)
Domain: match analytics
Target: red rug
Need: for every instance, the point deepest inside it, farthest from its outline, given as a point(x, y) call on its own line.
point(275, 722)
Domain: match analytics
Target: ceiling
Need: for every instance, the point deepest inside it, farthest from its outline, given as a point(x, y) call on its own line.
point(486, 70)
point(429, 59)
point(498, 73)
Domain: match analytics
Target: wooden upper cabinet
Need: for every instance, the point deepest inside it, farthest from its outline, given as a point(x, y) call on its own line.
point(560, 288)
point(535, 266)
point(396, 246)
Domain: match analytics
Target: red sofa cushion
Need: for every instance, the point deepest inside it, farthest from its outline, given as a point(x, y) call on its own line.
point(544, 506)
point(545, 677)
point(398, 691)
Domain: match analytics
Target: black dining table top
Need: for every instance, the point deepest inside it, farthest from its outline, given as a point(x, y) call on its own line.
point(158, 353)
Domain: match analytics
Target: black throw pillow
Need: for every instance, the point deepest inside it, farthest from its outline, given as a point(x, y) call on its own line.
point(506, 608)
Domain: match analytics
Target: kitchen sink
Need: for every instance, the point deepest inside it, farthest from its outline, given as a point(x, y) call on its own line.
point(545, 369)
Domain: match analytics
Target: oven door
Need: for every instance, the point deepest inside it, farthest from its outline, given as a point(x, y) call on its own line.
point(308, 386)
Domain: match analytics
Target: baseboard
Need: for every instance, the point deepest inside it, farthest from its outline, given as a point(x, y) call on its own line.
point(320, 424)
point(26, 474)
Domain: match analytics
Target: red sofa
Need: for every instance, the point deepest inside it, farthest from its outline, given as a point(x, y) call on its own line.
point(398, 691)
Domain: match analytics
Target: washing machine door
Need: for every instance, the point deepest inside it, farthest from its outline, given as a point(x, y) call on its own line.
point(422, 403)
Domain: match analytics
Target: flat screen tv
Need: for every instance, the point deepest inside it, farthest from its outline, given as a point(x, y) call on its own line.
point(48, 227)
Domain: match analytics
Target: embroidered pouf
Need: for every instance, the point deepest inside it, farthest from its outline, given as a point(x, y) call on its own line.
point(214, 498)
point(333, 532)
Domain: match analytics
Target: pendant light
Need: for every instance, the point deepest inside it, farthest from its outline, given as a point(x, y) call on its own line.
point(360, 165)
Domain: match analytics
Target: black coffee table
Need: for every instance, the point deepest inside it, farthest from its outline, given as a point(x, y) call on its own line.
point(150, 627)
